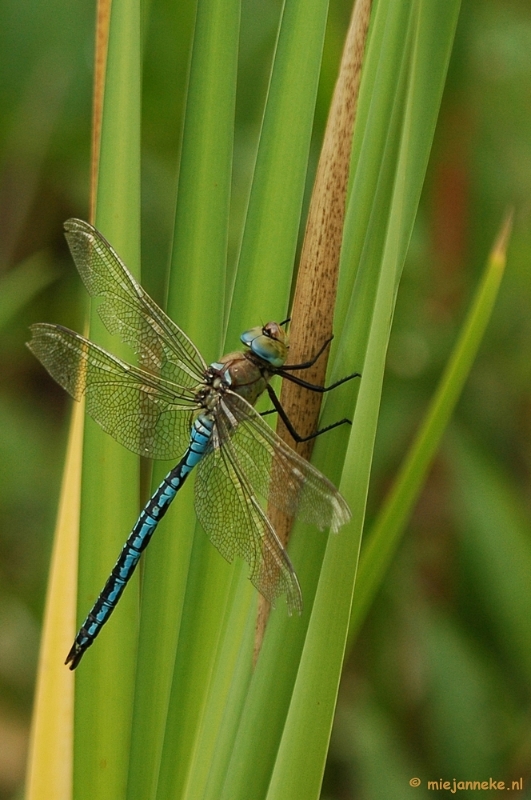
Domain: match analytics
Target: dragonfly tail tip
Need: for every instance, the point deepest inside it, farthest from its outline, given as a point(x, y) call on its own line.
point(74, 656)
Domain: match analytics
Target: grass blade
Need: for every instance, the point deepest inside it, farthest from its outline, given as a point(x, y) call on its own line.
point(50, 760)
point(185, 579)
point(110, 488)
point(391, 521)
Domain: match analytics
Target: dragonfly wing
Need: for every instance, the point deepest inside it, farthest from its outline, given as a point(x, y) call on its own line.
point(126, 309)
point(231, 515)
point(277, 472)
point(144, 413)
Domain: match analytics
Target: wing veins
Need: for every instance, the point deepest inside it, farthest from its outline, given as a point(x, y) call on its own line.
point(106, 277)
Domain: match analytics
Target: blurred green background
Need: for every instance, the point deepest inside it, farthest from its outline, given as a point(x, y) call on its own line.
point(438, 685)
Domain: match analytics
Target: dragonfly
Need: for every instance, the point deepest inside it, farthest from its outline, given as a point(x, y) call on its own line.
point(174, 405)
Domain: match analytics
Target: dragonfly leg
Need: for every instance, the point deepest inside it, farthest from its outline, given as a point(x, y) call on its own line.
point(312, 361)
point(305, 365)
point(289, 425)
point(312, 386)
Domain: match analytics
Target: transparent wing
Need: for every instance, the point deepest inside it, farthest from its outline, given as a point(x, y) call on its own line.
point(128, 310)
point(277, 472)
point(148, 415)
point(236, 524)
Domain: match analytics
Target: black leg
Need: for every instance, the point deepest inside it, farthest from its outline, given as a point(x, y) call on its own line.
point(311, 386)
point(312, 361)
point(285, 419)
point(305, 365)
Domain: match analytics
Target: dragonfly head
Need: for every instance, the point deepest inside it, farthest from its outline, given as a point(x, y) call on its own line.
point(269, 342)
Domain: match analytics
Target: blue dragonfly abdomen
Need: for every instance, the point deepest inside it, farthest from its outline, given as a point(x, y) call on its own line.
point(175, 406)
point(139, 538)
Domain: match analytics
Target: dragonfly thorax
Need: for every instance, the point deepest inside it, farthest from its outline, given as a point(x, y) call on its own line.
point(248, 373)
point(240, 372)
